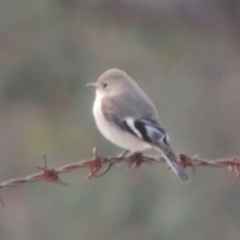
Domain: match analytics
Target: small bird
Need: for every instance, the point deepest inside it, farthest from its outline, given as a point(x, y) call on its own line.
point(125, 116)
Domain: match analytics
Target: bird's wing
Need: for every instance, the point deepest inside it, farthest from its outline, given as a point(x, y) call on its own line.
point(141, 127)
point(150, 131)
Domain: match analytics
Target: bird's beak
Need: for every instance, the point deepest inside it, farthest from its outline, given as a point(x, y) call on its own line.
point(92, 84)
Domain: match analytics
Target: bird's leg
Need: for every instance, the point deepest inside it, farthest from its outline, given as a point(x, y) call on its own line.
point(127, 157)
point(133, 158)
point(125, 154)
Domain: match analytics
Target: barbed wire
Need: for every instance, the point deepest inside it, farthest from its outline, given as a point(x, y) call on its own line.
point(99, 166)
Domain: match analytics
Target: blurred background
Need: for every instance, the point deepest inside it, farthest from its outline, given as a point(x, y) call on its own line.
point(185, 54)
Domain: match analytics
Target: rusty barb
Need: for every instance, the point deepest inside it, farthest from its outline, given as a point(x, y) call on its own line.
point(99, 166)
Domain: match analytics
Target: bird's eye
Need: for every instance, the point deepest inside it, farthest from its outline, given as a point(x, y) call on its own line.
point(104, 85)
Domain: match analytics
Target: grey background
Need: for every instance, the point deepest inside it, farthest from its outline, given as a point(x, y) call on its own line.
point(184, 54)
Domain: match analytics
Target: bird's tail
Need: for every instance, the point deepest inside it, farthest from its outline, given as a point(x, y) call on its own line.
point(172, 161)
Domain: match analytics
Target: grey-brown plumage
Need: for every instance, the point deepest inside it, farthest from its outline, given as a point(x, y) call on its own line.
point(126, 116)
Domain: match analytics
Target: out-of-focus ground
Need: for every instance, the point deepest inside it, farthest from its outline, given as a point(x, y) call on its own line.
point(185, 54)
